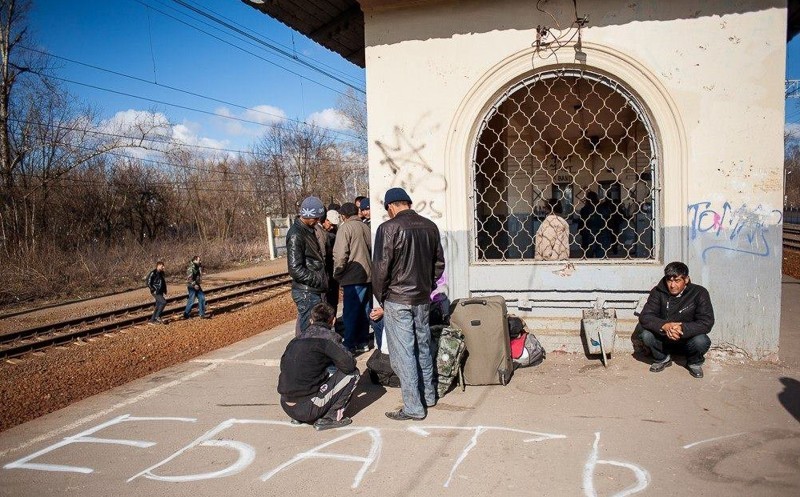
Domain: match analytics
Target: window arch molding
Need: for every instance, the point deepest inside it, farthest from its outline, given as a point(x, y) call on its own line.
point(602, 59)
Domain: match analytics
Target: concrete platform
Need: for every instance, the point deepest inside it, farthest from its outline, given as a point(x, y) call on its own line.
point(213, 426)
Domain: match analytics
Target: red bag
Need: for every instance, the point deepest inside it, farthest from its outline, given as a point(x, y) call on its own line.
point(518, 345)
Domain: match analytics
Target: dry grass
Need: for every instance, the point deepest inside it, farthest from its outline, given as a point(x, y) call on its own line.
point(51, 274)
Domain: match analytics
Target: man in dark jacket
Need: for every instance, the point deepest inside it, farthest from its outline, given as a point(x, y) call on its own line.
point(158, 289)
point(407, 261)
point(677, 318)
point(318, 374)
point(306, 261)
point(194, 278)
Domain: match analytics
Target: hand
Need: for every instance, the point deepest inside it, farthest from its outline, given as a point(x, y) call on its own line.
point(376, 314)
point(674, 331)
point(197, 287)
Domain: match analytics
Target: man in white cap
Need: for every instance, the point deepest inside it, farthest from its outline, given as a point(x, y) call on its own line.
point(306, 261)
point(331, 226)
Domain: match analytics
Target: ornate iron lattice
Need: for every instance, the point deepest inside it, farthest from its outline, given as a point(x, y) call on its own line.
point(565, 167)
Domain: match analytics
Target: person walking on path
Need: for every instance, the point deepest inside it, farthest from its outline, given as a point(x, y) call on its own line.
point(158, 289)
point(352, 268)
point(306, 261)
point(194, 279)
point(318, 375)
point(407, 262)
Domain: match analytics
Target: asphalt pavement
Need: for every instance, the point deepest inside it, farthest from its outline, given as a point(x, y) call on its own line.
point(569, 427)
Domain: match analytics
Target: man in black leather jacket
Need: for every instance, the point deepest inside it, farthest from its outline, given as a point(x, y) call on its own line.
point(158, 289)
point(407, 260)
point(677, 317)
point(306, 261)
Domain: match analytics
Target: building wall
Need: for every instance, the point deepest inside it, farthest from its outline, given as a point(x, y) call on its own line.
point(710, 75)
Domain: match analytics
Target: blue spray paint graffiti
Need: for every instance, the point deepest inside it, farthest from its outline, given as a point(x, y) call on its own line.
point(742, 230)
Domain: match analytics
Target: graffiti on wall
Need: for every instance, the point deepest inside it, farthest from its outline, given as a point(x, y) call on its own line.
point(403, 155)
point(727, 228)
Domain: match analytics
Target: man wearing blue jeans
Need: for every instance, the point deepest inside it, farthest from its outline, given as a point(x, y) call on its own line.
point(306, 261)
point(352, 268)
point(407, 261)
point(194, 277)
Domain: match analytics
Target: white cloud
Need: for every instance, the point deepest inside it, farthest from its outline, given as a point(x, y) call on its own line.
point(329, 118)
point(188, 134)
point(260, 114)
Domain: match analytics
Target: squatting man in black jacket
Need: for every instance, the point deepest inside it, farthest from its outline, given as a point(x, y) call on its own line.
point(318, 374)
point(158, 289)
point(676, 319)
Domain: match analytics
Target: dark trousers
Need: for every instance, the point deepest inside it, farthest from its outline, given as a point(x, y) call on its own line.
point(329, 402)
point(161, 302)
point(694, 348)
point(332, 295)
point(357, 306)
point(305, 301)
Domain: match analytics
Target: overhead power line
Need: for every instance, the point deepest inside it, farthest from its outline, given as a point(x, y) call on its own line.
point(260, 41)
point(179, 106)
point(180, 90)
point(248, 51)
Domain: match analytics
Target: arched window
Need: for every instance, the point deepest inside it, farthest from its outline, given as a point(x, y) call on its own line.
point(576, 144)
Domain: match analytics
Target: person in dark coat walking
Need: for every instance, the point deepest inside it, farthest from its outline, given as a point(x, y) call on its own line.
point(677, 318)
point(158, 289)
point(194, 280)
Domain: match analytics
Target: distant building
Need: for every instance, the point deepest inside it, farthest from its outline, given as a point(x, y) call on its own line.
point(671, 112)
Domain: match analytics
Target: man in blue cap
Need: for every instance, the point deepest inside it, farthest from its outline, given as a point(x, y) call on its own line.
point(407, 260)
point(364, 212)
point(306, 261)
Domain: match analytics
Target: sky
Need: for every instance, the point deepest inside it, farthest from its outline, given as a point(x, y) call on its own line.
point(163, 42)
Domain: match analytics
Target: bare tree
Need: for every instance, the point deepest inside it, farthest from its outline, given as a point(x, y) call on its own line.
point(354, 107)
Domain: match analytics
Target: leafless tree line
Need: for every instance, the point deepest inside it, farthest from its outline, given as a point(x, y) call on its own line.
point(72, 184)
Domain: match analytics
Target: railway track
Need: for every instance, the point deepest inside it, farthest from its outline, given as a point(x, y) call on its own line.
point(791, 236)
point(21, 342)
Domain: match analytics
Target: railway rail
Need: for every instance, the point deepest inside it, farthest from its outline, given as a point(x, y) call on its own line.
point(21, 342)
point(791, 236)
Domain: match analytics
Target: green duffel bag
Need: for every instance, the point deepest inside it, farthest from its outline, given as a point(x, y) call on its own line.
point(449, 346)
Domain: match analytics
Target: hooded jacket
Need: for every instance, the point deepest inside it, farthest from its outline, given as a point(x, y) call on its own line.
point(305, 259)
point(692, 308)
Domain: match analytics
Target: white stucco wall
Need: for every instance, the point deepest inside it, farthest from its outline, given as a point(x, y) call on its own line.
point(711, 76)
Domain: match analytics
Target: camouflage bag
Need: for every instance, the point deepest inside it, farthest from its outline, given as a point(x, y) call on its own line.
point(448, 346)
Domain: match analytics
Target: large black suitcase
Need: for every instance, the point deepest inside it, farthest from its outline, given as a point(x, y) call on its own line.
point(484, 322)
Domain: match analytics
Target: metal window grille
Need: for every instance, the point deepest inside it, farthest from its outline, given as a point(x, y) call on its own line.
point(565, 167)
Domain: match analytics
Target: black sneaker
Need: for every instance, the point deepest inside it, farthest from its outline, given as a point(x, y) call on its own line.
point(295, 422)
point(205, 316)
point(400, 415)
point(360, 349)
point(327, 423)
point(696, 370)
point(659, 366)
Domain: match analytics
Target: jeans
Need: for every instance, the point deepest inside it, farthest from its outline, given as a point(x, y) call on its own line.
point(409, 338)
point(694, 348)
point(305, 301)
point(330, 402)
point(201, 302)
point(355, 314)
point(161, 302)
point(377, 329)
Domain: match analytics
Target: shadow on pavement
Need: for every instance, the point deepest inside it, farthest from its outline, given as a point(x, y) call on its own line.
point(790, 396)
point(366, 394)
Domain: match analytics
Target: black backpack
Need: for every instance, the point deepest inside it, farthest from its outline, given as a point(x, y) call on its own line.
point(380, 370)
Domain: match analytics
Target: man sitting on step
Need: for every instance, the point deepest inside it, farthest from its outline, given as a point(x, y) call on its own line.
point(677, 318)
